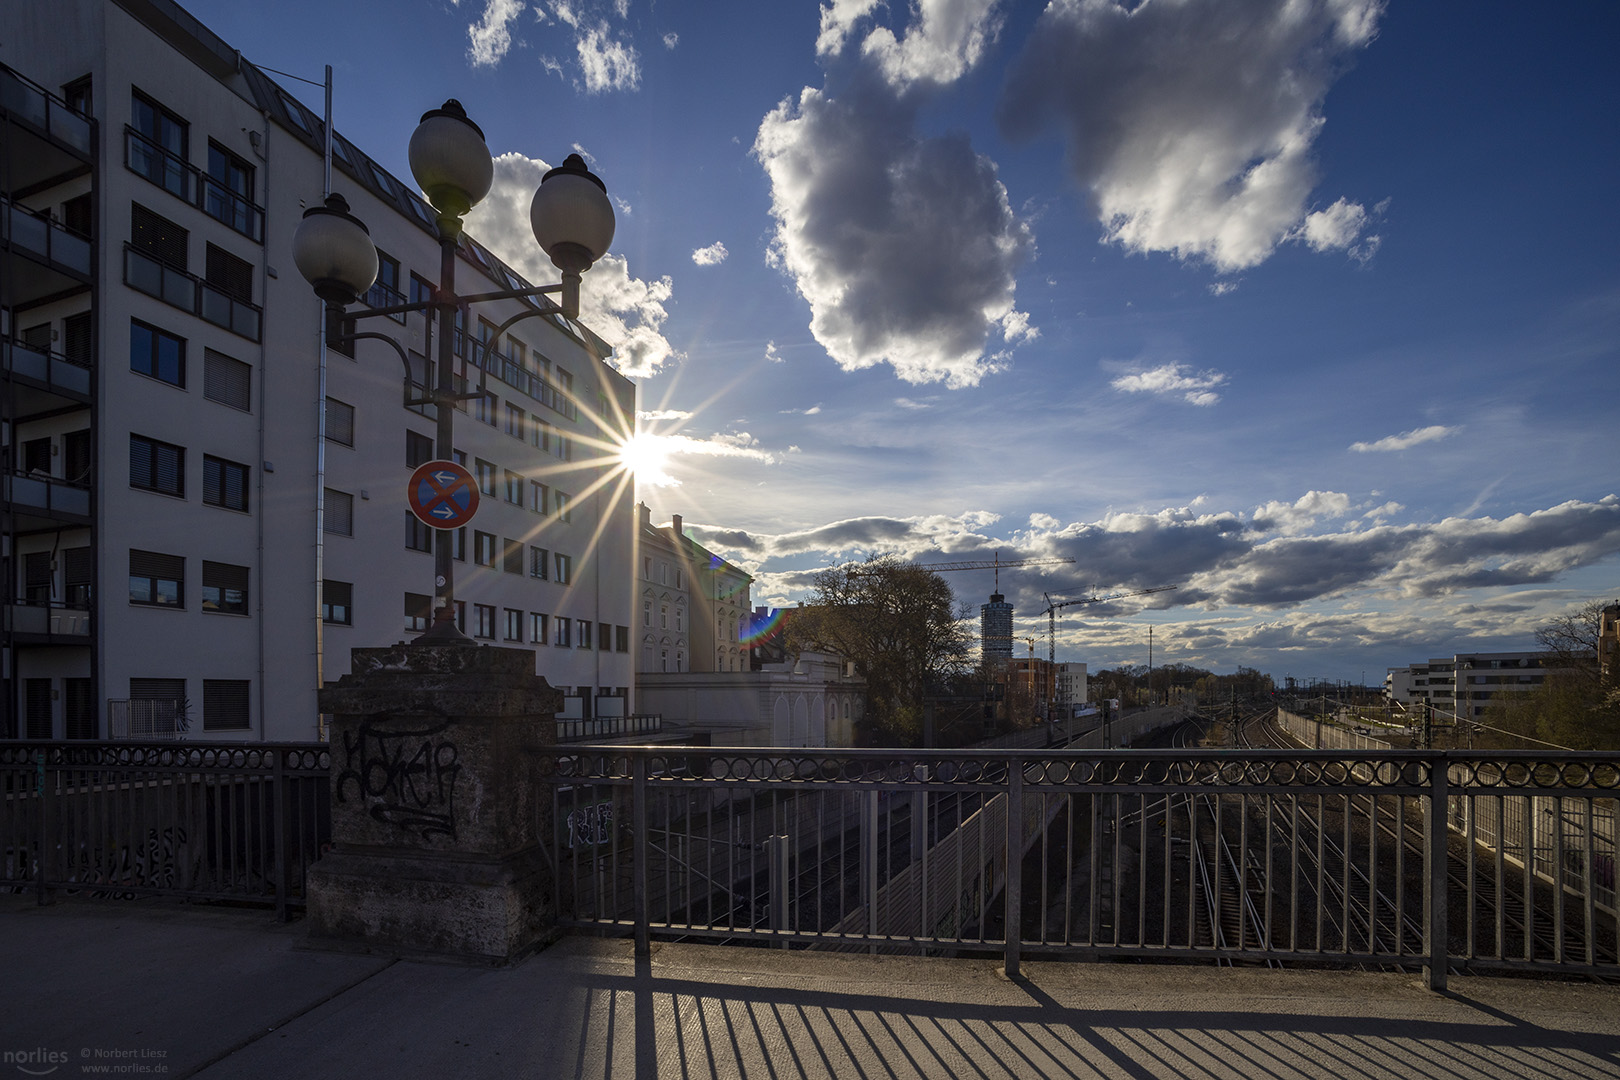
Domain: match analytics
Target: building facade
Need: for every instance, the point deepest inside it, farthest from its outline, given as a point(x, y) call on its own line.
point(204, 508)
point(694, 604)
point(1466, 684)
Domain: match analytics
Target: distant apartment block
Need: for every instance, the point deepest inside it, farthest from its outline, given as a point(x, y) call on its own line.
point(1465, 684)
point(694, 604)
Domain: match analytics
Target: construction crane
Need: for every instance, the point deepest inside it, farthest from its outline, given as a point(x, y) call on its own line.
point(985, 564)
point(1053, 606)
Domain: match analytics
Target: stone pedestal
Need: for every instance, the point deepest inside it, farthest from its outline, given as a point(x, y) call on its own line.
point(437, 809)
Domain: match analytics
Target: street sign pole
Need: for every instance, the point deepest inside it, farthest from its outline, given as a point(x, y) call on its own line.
point(444, 627)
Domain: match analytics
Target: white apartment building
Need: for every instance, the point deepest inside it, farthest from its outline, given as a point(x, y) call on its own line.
point(1071, 687)
point(162, 392)
point(1466, 684)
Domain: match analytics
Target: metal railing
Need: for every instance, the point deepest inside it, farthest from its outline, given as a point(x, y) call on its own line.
point(610, 727)
point(190, 293)
point(49, 494)
point(216, 821)
point(27, 100)
point(174, 174)
point(55, 370)
point(52, 618)
point(1310, 856)
point(34, 231)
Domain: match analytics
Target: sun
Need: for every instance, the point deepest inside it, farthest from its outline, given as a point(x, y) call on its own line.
point(647, 456)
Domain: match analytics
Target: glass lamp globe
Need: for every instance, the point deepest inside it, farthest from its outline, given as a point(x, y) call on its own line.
point(450, 160)
point(333, 250)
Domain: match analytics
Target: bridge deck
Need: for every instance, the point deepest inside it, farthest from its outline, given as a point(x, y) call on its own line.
point(224, 993)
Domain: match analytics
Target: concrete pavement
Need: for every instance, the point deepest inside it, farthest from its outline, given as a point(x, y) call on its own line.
point(148, 989)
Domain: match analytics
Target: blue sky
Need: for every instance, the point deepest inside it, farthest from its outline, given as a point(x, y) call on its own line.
point(1309, 307)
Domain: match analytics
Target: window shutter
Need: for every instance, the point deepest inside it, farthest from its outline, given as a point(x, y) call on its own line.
point(227, 381)
point(339, 512)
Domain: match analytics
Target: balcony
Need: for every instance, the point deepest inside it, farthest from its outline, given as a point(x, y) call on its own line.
point(41, 502)
point(190, 293)
point(52, 140)
point(48, 373)
point(191, 185)
point(52, 623)
point(60, 259)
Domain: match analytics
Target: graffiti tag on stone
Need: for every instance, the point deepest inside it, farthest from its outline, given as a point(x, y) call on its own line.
point(405, 778)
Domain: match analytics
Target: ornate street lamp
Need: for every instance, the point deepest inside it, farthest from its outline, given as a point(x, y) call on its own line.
point(572, 220)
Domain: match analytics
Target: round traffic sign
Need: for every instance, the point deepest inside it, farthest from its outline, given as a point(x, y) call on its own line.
point(442, 494)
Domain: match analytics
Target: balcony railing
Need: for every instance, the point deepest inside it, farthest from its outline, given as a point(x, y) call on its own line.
point(1291, 857)
point(190, 293)
point(610, 727)
point(186, 182)
point(34, 231)
point(46, 493)
point(53, 369)
point(52, 619)
point(24, 99)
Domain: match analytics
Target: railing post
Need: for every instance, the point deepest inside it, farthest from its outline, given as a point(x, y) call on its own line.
point(280, 805)
point(638, 853)
point(47, 815)
point(1013, 893)
point(776, 857)
point(869, 863)
point(1435, 898)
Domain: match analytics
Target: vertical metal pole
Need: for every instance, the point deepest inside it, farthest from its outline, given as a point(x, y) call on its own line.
point(638, 853)
point(280, 806)
point(1434, 865)
point(776, 848)
point(1014, 894)
point(869, 864)
point(47, 812)
point(445, 409)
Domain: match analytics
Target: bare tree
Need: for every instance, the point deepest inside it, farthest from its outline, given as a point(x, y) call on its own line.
point(897, 622)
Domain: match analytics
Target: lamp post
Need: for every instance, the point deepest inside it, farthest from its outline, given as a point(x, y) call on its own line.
point(572, 220)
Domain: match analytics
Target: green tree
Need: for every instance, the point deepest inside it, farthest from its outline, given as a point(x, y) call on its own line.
point(1574, 706)
point(897, 623)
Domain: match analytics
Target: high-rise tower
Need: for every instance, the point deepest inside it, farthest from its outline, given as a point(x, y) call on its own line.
point(996, 631)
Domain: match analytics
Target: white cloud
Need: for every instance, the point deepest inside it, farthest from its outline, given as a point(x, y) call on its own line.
point(1334, 228)
point(1290, 519)
point(1044, 522)
point(663, 414)
point(945, 40)
point(738, 444)
point(905, 248)
point(1197, 388)
point(1405, 439)
point(671, 40)
point(627, 312)
point(772, 354)
point(1222, 288)
point(838, 19)
point(606, 63)
point(491, 37)
point(1191, 125)
point(713, 255)
point(907, 403)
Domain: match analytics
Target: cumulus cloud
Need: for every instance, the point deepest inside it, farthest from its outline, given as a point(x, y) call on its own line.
point(1292, 518)
point(905, 247)
point(663, 414)
point(1195, 387)
point(947, 39)
point(838, 19)
point(772, 354)
point(713, 255)
point(627, 312)
point(1405, 440)
point(1191, 126)
point(671, 40)
point(491, 37)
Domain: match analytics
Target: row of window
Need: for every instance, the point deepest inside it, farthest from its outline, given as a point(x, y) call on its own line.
point(494, 552)
point(157, 148)
point(161, 467)
point(159, 354)
point(157, 579)
point(538, 628)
